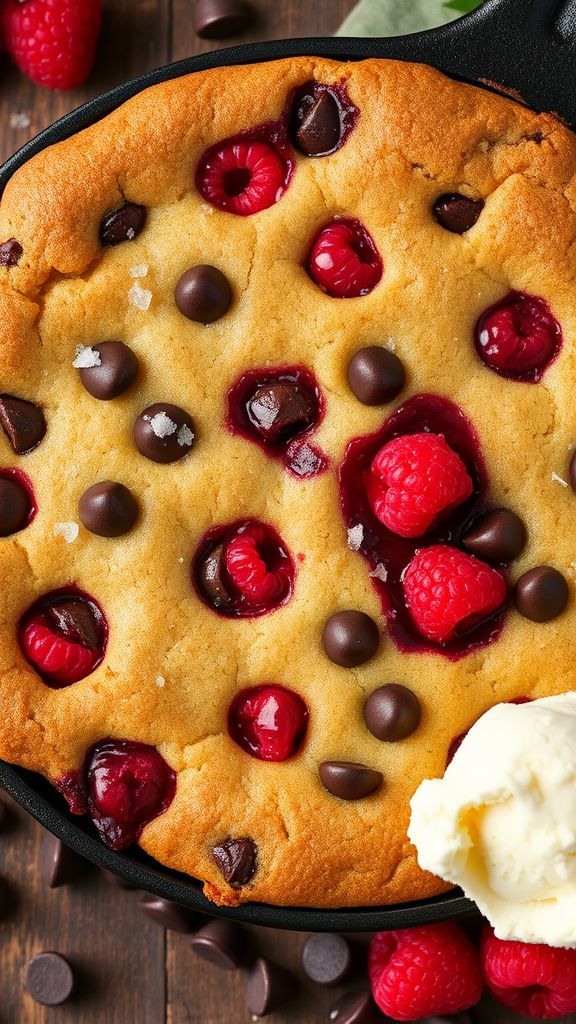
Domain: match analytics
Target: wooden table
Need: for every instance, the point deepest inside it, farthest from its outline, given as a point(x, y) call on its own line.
point(131, 971)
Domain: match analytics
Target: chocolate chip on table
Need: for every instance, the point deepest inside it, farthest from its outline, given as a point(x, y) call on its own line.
point(350, 638)
point(59, 865)
point(169, 915)
point(392, 712)
point(108, 509)
point(222, 943)
point(23, 423)
point(355, 1008)
point(123, 224)
point(280, 410)
point(496, 536)
point(326, 958)
point(236, 859)
point(348, 780)
point(49, 979)
point(375, 375)
point(219, 19)
point(320, 129)
point(203, 294)
point(457, 213)
point(541, 594)
point(268, 987)
point(10, 253)
point(115, 372)
point(15, 506)
point(163, 433)
point(73, 619)
point(211, 577)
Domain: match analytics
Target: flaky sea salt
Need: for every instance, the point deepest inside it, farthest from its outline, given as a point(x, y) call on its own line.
point(160, 681)
point(162, 425)
point(180, 560)
point(185, 436)
point(20, 121)
point(558, 480)
point(139, 296)
point(355, 537)
point(130, 234)
point(86, 357)
point(69, 531)
point(140, 270)
point(379, 573)
point(484, 338)
point(390, 344)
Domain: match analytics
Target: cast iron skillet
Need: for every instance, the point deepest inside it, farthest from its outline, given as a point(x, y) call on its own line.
point(527, 46)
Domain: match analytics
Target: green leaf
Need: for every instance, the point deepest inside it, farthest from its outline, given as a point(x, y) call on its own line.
point(465, 6)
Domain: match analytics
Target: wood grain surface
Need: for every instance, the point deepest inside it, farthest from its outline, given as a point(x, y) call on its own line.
point(130, 971)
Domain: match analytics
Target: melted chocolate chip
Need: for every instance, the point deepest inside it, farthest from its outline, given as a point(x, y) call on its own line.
point(59, 864)
point(375, 375)
point(115, 373)
point(23, 423)
point(236, 859)
point(15, 506)
point(355, 1008)
point(541, 594)
point(348, 780)
point(108, 509)
point(457, 213)
point(211, 577)
point(320, 129)
point(10, 253)
point(220, 19)
point(169, 915)
point(49, 979)
point(268, 987)
point(281, 410)
point(392, 712)
point(203, 294)
point(123, 224)
point(75, 620)
point(163, 433)
point(326, 958)
point(222, 943)
point(350, 638)
point(497, 536)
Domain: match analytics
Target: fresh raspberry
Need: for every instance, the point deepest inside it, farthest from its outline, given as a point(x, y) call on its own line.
point(344, 261)
point(420, 972)
point(247, 568)
point(414, 480)
point(533, 979)
point(61, 661)
point(52, 41)
point(242, 177)
point(448, 592)
point(268, 722)
point(518, 336)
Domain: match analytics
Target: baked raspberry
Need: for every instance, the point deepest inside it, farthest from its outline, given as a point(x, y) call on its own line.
point(448, 592)
point(64, 637)
point(414, 480)
point(533, 979)
point(518, 337)
point(247, 568)
point(344, 261)
point(243, 176)
point(421, 972)
point(52, 41)
point(128, 785)
point(268, 722)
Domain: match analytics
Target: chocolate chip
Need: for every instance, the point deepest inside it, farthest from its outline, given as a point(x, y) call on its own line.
point(15, 506)
point(497, 536)
point(116, 880)
point(10, 253)
point(49, 979)
point(457, 213)
point(74, 619)
point(320, 129)
point(123, 224)
point(268, 987)
point(219, 19)
point(392, 712)
point(349, 781)
point(203, 294)
point(211, 572)
point(281, 410)
point(23, 423)
point(541, 594)
point(355, 1008)
point(222, 943)
point(59, 865)
point(108, 509)
point(236, 859)
point(169, 915)
point(375, 375)
point(163, 433)
point(115, 373)
point(350, 638)
point(327, 958)
point(572, 472)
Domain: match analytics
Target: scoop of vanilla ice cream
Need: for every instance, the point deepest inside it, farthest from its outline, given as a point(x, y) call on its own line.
point(502, 821)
